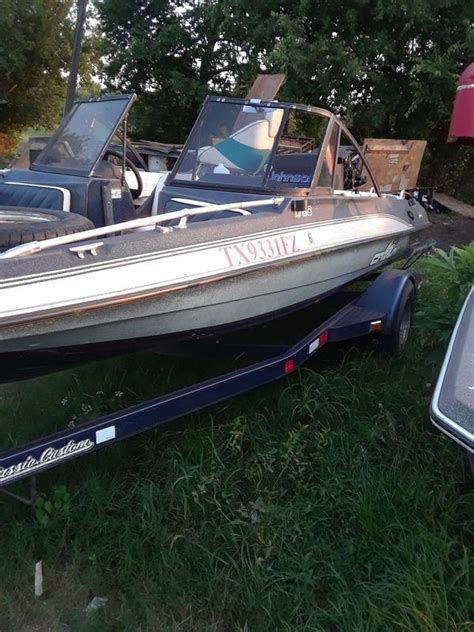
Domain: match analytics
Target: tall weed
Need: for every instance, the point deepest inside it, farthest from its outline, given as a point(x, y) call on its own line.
point(451, 275)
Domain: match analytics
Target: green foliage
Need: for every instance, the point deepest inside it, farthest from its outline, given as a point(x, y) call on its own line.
point(171, 55)
point(389, 67)
point(451, 276)
point(35, 51)
point(35, 38)
point(458, 264)
point(449, 167)
point(46, 508)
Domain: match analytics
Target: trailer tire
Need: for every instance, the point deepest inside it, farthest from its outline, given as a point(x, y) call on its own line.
point(19, 225)
point(394, 341)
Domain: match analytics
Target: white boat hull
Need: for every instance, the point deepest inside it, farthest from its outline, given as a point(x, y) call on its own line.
point(229, 300)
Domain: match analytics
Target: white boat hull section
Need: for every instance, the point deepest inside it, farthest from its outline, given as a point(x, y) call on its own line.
point(210, 305)
point(123, 278)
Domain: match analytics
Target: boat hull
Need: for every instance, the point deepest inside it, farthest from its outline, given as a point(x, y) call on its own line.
point(231, 302)
point(215, 275)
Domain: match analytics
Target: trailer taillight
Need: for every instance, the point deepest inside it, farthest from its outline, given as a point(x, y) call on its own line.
point(376, 325)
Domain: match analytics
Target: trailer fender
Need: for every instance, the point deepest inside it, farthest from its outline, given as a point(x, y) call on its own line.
point(385, 293)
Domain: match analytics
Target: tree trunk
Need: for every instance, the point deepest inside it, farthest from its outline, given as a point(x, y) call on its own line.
point(76, 54)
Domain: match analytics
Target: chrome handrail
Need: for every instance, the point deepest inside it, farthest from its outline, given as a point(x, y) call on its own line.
point(33, 247)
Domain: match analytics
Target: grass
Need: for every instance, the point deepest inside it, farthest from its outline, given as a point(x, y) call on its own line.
point(322, 502)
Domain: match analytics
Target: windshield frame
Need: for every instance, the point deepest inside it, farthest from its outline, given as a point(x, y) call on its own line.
point(264, 187)
point(129, 98)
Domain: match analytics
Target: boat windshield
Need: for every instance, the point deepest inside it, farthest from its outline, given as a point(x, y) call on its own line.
point(83, 136)
point(243, 145)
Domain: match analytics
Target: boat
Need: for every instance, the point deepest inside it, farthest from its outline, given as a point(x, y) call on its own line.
point(452, 405)
point(270, 206)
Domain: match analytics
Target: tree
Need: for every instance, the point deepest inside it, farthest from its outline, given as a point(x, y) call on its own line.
point(171, 54)
point(75, 54)
point(389, 67)
point(35, 40)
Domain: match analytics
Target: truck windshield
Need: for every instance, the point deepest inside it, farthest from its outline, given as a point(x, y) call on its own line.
point(83, 136)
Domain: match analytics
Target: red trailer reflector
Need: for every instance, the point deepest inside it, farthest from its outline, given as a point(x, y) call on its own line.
point(376, 325)
point(323, 338)
point(319, 342)
point(288, 366)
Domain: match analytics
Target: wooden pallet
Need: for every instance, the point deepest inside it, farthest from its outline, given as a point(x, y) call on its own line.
point(454, 205)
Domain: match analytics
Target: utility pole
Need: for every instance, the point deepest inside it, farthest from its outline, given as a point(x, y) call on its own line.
point(76, 54)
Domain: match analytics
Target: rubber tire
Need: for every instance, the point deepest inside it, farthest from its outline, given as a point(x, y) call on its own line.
point(58, 223)
point(394, 342)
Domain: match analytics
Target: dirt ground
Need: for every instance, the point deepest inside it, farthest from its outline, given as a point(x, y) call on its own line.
point(450, 229)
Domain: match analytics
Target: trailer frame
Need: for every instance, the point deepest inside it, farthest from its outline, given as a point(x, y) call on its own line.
point(375, 310)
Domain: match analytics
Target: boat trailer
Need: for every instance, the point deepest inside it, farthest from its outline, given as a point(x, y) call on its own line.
point(383, 308)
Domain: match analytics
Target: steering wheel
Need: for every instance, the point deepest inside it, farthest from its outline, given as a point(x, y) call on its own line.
point(134, 192)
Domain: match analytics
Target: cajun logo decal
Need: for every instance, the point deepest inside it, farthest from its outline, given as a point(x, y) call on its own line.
point(50, 455)
point(389, 251)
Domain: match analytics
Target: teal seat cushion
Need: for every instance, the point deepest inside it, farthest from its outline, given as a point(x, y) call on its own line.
point(242, 156)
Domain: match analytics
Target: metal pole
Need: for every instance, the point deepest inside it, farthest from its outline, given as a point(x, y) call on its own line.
point(76, 54)
point(124, 151)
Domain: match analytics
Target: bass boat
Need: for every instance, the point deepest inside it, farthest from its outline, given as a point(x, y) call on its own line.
point(269, 207)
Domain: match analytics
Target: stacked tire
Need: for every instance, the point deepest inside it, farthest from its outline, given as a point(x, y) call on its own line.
point(20, 225)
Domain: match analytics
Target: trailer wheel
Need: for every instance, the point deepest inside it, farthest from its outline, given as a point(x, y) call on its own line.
point(396, 339)
point(19, 225)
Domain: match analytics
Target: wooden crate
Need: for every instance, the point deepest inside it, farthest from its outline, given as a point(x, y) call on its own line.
point(394, 163)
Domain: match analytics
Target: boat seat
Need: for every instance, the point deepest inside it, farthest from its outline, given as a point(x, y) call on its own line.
point(34, 196)
point(247, 149)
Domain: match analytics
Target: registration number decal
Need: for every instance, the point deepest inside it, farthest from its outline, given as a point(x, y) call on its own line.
point(260, 250)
